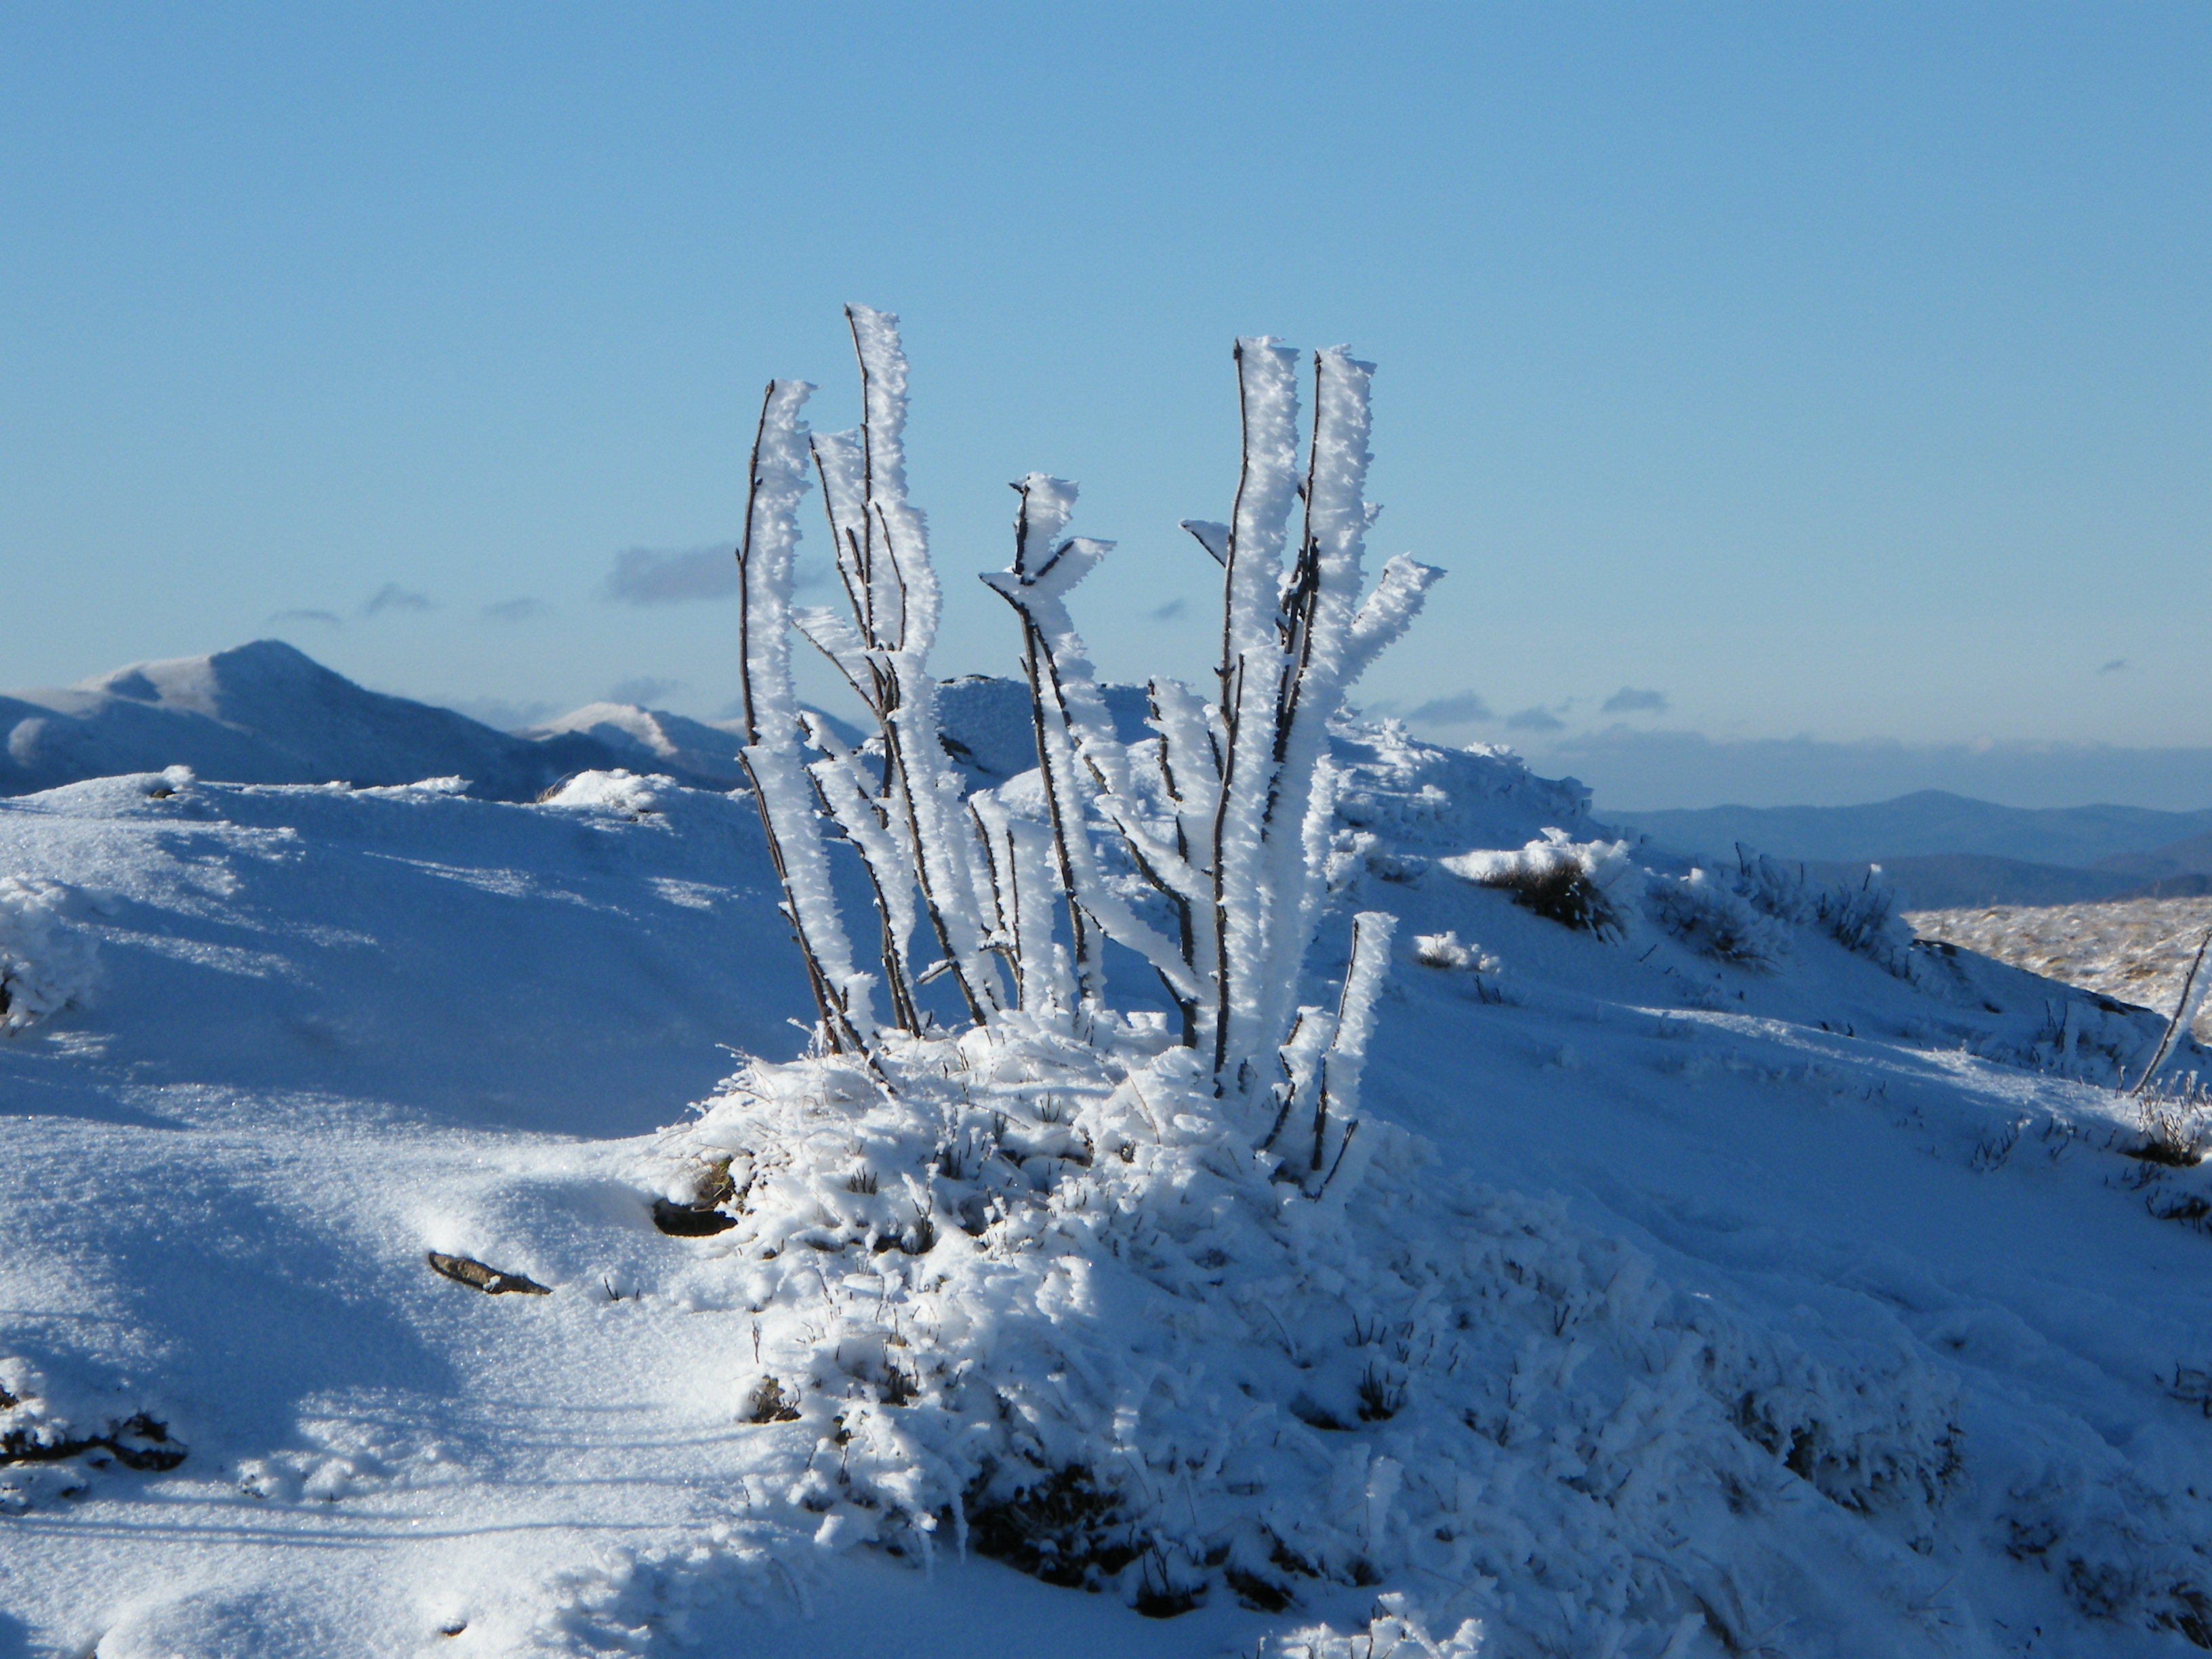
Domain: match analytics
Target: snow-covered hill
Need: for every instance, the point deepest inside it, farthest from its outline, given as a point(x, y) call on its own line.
point(267, 712)
point(1712, 1288)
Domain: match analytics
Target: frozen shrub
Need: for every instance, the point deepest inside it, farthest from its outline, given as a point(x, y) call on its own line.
point(1395, 1630)
point(1203, 852)
point(1860, 916)
point(2176, 1125)
point(45, 964)
point(1444, 951)
point(1590, 886)
point(1051, 1279)
point(1863, 916)
point(1710, 917)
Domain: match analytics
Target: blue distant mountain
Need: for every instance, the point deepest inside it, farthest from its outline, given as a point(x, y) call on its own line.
point(1945, 851)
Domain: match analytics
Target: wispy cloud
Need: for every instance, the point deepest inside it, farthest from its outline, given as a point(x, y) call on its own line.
point(651, 575)
point(1629, 701)
point(327, 618)
point(2114, 666)
point(642, 689)
point(1458, 709)
point(393, 596)
point(1534, 720)
point(514, 610)
point(646, 576)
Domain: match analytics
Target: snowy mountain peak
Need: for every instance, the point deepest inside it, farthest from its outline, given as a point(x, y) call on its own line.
point(201, 685)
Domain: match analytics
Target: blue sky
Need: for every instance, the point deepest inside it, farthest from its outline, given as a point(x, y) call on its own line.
point(1808, 375)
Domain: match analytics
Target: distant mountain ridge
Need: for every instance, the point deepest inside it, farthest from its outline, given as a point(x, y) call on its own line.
point(1926, 822)
point(1947, 852)
point(267, 712)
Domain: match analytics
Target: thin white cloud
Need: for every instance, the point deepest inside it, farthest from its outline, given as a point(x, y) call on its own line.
point(1534, 720)
point(642, 689)
point(1454, 708)
point(646, 576)
point(393, 596)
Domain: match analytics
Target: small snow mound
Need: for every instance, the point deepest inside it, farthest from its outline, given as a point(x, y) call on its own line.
point(617, 791)
point(449, 786)
point(215, 1624)
point(45, 964)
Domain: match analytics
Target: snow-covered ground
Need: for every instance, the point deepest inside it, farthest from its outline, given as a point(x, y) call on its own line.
point(2137, 949)
point(1793, 1299)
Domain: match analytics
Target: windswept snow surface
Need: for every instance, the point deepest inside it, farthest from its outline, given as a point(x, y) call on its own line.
point(1805, 1301)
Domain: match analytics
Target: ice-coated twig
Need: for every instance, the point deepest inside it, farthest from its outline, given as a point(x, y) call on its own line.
point(1387, 612)
point(1341, 1066)
point(781, 788)
point(1320, 598)
point(882, 651)
point(843, 789)
point(2193, 990)
point(1252, 662)
point(1080, 761)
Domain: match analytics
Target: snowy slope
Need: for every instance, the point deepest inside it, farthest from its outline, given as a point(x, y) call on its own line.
point(1825, 1312)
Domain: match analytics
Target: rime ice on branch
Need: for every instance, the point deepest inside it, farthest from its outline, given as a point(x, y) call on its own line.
point(1017, 911)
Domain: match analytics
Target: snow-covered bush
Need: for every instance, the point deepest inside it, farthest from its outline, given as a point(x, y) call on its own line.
point(1444, 951)
point(1860, 916)
point(1713, 918)
point(1222, 822)
point(1395, 1630)
point(1143, 1302)
point(1592, 886)
point(1059, 1313)
point(46, 964)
